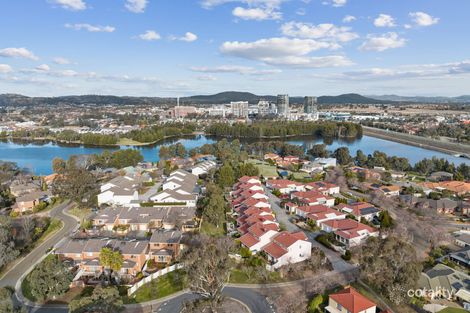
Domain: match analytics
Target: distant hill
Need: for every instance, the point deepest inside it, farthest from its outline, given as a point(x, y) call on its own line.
point(417, 99)
point(219, 98)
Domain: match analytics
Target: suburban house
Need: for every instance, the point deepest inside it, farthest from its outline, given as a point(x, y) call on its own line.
point(318, 164)
point(440, 176)
point(121, 190)
point(86, 255)
point(312, 197)
point(455, 186)
point(165, 246)
point(319, 213)
point(24, 186)
point(286, 248)
point(462, 238)
point(144, 219)
point(272, 156)
point(349, 300)
point(27, 202)
point(349, 232)
point(461, 257)
point(387, 191)
point(360, 210)
point(323, 187)
point(366, 173)
point(285, 186)
point(446, 281)
point(203, 168)
point(258, 235)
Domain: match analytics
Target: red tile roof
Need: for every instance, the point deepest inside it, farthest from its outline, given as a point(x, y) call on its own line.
point(352, 300)
point(286, 239)
point(274, 250)
point(248, 240)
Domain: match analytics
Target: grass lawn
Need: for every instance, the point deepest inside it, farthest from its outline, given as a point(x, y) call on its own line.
point(129, 142)
point(211, 230)
point(161, 287)
point(26, 289)
point(453, 310)
point(264, 168)
point(81, 214)
point(238, 276)
point(54, 226)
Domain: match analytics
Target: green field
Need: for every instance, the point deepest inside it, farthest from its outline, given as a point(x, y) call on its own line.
point(161, 287)
point(265, 168)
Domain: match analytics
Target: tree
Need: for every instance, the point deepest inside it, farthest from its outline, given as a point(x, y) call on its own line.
point(342, 156)
point(111, 259)
point(390, 265)
point(208, 266)
point(7, 244)
point(103, 300)
point(314, 305)
point(214, 211)
point(226, 176)
point(6, 302)
point(385, 219)
point(76, 184)
point(318, 151)
point(361, 158)
point(49, 279)
point(58, 165)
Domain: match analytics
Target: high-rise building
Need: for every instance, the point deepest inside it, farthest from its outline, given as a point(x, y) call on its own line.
point(310, 105)
point(239, 108)
point(263, 108)
point(283, 105)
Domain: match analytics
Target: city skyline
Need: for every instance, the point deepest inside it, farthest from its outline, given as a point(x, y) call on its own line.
point(296, 47)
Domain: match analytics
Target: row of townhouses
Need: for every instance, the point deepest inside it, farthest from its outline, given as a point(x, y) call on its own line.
point(259, 229)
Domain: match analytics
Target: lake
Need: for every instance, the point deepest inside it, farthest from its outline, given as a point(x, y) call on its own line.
point(37, 157)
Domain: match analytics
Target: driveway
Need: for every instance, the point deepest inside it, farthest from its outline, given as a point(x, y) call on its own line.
point(337, 262)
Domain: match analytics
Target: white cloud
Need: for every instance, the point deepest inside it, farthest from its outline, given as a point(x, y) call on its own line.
point(73, 5)
point(61, 61)
point(423, 19)
point(301, 11)
point(258, 14)
point(18, 53)
point(207, 78)
point(234, 69)
point(5, 68)
point(43, 68)
point(136, 6)
point(407, 71)
point(321, 31)
point(349, 19)
point(188, 37)
point(91, 28)
point(284, 51)
point(383, 42)
point(150, 35)
point(335, 3)
point(208, 4)
point(384, 20)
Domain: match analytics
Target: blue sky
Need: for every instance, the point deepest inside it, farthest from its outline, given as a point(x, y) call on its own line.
point(186, 47)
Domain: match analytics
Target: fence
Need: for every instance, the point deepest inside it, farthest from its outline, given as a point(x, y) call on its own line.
point(153, 276)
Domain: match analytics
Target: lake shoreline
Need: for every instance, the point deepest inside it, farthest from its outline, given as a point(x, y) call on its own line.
point(417, 141)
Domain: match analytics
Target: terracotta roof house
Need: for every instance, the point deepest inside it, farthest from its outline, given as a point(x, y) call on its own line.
point(349, 300)
point(323, 187)
point(287, 248)
point(349, 232)
point(313, 197)
point(360, 210)
point(285, 186)
point(258, 236)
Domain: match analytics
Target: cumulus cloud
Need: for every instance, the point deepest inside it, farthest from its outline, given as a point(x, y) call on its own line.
point(5, 68)
point(188, 37)
point(407, 71)
point(150, 35)
point(61, 61)
point(136, 6)
point(384, 20)
point(383, 42)
point(208, 4)
point(240, 69)
point(335, 3)
point(258, 14)
point(18, 53)
point(91, 28)
point(349, 19)
point(423, 19)
point(321, 31)
point(43, 68)
point(284, 52)
point(73, 5)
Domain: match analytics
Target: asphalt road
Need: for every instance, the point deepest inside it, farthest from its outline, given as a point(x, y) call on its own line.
point(256, 302)
point(337, 262)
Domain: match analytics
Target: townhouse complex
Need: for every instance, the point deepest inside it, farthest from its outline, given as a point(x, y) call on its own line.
point(143, 219)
